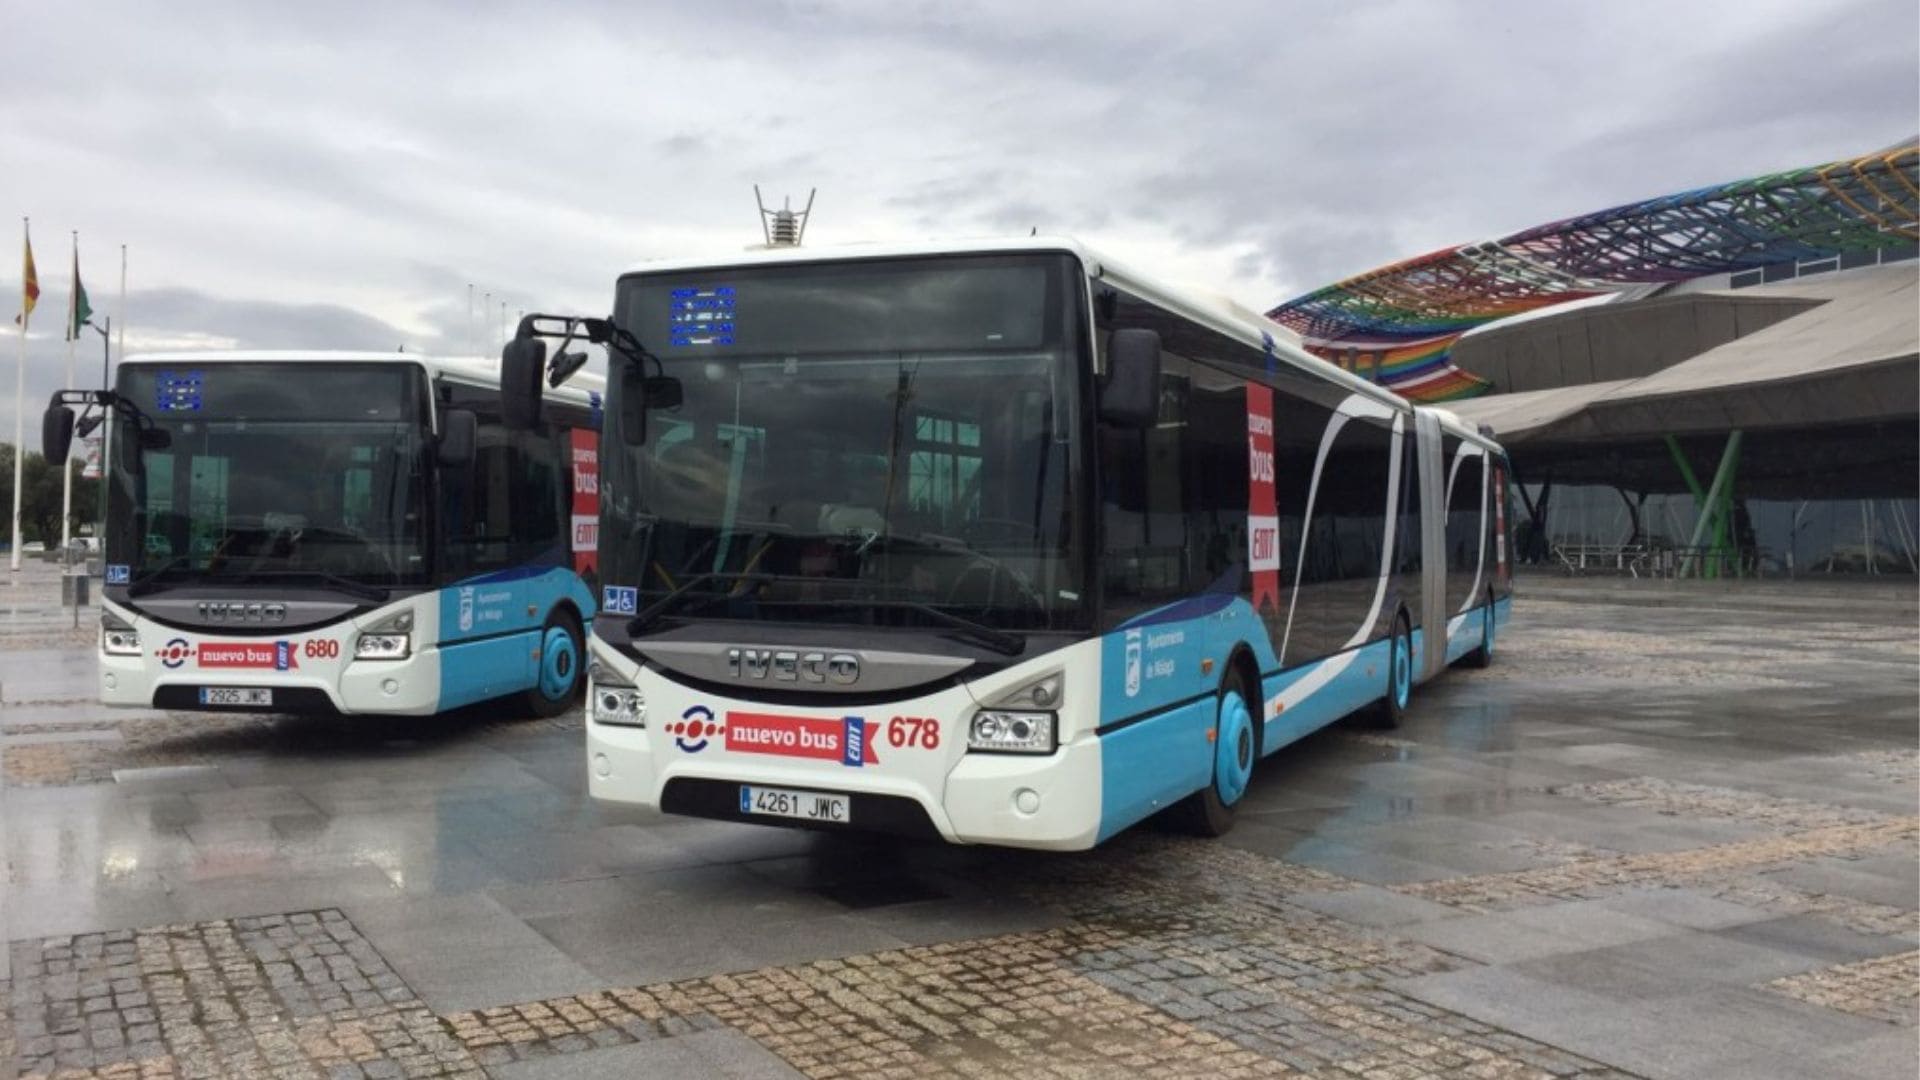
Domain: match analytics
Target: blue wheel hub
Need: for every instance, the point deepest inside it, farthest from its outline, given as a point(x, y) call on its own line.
point(1232, 750)
point(559, 663)
point(1402, 671)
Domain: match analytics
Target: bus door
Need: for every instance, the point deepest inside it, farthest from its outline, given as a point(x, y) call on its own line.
point(1433, 539)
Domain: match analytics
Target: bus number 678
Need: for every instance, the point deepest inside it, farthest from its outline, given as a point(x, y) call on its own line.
point(913, 731)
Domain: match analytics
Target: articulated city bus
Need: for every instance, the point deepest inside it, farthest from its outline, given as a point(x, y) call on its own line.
point(338, 533)
point(1000, 543)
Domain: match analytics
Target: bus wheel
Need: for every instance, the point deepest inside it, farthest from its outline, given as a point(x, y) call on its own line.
point(1210, 811)
point(1483, 656)
point(560, 662)
point(1399, 677)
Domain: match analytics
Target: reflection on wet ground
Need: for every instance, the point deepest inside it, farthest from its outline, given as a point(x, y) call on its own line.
point(1671, 832)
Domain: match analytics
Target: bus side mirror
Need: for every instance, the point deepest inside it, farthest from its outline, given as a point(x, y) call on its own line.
point(459, 432)
point(640, 394)
point(563, 365)
point(1130, 397)
point(56, 434)
point(522, 365)
point(663, 392)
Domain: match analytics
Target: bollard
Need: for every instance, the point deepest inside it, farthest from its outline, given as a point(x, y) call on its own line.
point(75, 585)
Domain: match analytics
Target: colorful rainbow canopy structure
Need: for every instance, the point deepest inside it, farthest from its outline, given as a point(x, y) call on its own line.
point(1398, 324)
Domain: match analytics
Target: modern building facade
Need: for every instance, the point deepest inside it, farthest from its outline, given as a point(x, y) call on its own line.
point(1720, 382)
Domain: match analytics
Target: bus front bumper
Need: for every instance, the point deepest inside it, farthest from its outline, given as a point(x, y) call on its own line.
point(1044, 801)
point(171, 676)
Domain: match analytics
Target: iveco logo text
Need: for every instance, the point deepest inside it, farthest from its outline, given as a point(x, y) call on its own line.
point(224, 611)
point(786, 665)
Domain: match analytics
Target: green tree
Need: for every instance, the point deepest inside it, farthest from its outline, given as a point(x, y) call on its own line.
point(40, 501)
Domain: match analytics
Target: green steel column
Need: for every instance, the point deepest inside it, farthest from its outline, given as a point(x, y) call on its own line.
point(1729, 540)
point(1686, 470)
point(1693, 484)
point(1711, 505)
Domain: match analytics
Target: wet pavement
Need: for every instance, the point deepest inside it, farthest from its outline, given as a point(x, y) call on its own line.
point(1672, 832)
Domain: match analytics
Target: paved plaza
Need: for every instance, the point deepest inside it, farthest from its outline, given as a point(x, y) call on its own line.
point(1672, 832)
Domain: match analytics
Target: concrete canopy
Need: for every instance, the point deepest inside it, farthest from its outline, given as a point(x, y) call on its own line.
point(1851, 355)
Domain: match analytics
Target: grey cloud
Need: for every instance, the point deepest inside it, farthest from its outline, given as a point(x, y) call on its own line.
point(373, 160)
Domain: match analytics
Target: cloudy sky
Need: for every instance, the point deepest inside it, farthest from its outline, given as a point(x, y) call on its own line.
point(335, 175)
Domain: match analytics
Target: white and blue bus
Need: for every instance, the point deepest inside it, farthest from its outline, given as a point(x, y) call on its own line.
point(336, 533)
point(1000, 543)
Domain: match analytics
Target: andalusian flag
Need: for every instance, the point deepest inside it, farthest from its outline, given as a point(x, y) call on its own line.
point(29, 288)
point(78, 310)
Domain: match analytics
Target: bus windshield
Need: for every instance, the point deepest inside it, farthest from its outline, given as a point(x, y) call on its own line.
point(856, 440)
point(286, 473)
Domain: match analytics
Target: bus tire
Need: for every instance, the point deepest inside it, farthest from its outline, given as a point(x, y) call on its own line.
point(1236, 748)
point(1393, 706)
point(1483, 656)
point(562, 659)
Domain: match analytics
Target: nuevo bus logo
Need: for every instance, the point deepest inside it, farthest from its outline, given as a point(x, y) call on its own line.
point(268, 655)
point(842, 739)
point(1133, 663)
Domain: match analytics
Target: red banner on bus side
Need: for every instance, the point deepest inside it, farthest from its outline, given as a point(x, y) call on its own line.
point(1263, 517)
point(585, 446)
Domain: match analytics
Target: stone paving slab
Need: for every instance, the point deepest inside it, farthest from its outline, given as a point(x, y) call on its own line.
point(1600, 858)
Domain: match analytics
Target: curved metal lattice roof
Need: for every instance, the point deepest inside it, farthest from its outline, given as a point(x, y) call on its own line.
point(1398, 323)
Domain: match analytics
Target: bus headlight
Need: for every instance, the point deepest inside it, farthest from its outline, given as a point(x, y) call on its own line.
point(616, 704)
point(116, 637)
point(382, 647)
point(388, 639)
point(1002, 731)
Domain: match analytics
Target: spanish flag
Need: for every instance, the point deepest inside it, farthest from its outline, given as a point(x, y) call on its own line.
point(29, 287)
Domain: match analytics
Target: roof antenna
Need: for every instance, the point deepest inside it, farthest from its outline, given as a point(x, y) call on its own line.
point(1033, 230)
point(783, 227)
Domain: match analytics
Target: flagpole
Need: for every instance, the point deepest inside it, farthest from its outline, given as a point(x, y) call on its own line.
point(118, 318)
point(73, 339)
point(19, 403)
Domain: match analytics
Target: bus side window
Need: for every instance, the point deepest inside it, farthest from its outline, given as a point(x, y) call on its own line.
point(1465, 500)
point(1343, 540)
point(1142, 504)
point(509, 513)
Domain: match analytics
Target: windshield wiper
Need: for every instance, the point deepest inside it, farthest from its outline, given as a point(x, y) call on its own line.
point(1000, 641)
point(660, 607)
point(145, 582)
point(344, 584)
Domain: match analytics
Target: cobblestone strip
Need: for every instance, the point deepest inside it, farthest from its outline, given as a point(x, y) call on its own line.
point(1162, 884)
point(987, 1007)
point(1325, 1027)
point(301, 995)
point(1767, 894)
point(1700, 801)
point(1884, 988)
point(1597, 877)
point(1188, 967)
